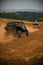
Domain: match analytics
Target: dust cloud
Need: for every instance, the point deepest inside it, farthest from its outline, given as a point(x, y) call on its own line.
point(3, 37)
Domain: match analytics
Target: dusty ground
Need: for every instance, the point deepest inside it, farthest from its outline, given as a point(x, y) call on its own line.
point(24, 47)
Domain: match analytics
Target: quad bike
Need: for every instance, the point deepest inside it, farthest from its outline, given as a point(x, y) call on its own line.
point(17, 27)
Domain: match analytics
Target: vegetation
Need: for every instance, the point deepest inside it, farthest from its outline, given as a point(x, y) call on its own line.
point(31, 16)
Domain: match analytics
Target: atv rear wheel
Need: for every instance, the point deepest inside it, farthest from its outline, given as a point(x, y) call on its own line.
point(19, 33)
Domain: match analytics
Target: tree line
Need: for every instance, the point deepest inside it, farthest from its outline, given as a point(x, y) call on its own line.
point(29, 16)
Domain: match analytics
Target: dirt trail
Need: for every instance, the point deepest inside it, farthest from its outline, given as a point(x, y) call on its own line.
point(23, 47)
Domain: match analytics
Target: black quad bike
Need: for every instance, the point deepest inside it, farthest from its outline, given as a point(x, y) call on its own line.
point(18, 27)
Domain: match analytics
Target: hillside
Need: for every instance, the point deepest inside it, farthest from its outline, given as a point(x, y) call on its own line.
point(13, 48)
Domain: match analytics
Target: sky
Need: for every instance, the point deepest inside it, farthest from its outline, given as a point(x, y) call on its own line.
point(21, 4)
